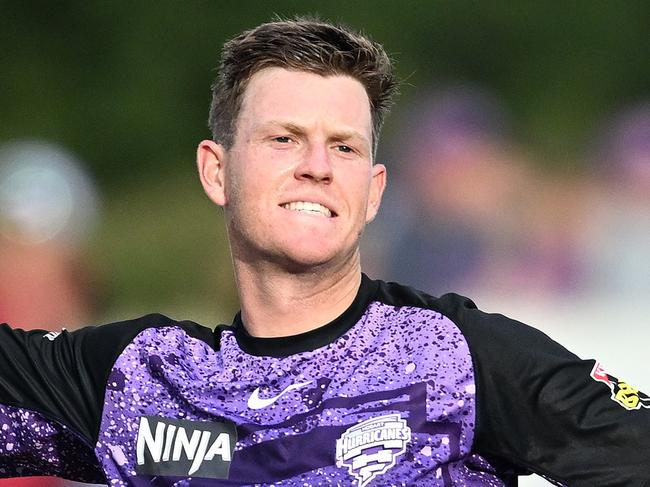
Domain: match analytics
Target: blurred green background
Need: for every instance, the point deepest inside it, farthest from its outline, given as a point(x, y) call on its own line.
point(125, 87)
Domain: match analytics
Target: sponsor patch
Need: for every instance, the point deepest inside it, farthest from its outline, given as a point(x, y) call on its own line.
point(622, 393)
point(181, 448)
point(370, 448)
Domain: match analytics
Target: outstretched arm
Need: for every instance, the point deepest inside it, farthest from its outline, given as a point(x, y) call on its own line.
point(544, 410)
point(48, 405)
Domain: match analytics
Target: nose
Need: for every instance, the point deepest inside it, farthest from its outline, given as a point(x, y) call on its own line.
point(315, 165)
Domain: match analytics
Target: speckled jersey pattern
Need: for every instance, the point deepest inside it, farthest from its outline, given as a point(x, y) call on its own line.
point(409, 363)
point(39, 446)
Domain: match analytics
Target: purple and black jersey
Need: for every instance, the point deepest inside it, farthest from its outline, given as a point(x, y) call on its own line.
point(401, 389)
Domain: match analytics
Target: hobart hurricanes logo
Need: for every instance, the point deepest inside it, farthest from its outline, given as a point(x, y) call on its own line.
point(371, 447)
point(171, 447)
point(623, 393)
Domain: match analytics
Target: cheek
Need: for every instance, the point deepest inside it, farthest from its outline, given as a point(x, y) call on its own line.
point(238, 189)
point(359, 193)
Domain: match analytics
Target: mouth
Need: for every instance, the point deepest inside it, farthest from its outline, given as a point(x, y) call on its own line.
point(310, 208)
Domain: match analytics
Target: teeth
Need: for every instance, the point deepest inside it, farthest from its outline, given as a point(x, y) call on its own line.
point(308, 207)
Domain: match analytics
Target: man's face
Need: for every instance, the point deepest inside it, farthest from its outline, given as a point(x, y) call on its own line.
point(298, 183)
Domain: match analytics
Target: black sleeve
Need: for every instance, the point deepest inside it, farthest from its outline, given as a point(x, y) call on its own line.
point(542, 409)
point(51, 396)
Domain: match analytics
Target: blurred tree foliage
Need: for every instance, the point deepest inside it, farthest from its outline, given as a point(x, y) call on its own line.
point(125, 85)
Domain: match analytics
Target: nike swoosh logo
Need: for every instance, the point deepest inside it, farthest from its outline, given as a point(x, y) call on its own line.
point(256, 402)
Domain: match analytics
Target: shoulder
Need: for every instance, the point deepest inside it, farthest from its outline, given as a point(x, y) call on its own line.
point(127, 330)
point(483, 330)
point(106, 342)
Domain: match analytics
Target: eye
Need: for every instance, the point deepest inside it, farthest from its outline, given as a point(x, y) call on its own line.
point(344, 148)
point(282, 139)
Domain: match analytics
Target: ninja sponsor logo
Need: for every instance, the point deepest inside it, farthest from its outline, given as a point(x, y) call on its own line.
point(171, 447)
point(371, 447)
point(622, 392)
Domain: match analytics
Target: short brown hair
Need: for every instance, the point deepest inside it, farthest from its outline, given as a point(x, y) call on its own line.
point(303, 45)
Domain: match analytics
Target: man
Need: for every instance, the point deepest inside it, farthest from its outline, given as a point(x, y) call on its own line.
point(325, 377)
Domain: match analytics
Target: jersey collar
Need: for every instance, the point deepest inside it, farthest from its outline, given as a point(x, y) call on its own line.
point(313, 339)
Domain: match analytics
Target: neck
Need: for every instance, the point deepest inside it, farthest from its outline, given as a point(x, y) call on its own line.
point(275, 302)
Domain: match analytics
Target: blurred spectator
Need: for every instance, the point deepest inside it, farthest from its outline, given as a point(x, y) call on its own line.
point(48, 206)
point(617, 242)
point(466, 210)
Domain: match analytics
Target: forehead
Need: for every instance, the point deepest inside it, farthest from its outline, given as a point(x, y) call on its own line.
point(307, 99)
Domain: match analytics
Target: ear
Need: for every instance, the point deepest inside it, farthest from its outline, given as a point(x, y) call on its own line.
point(377, 186)
point(210, 163)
